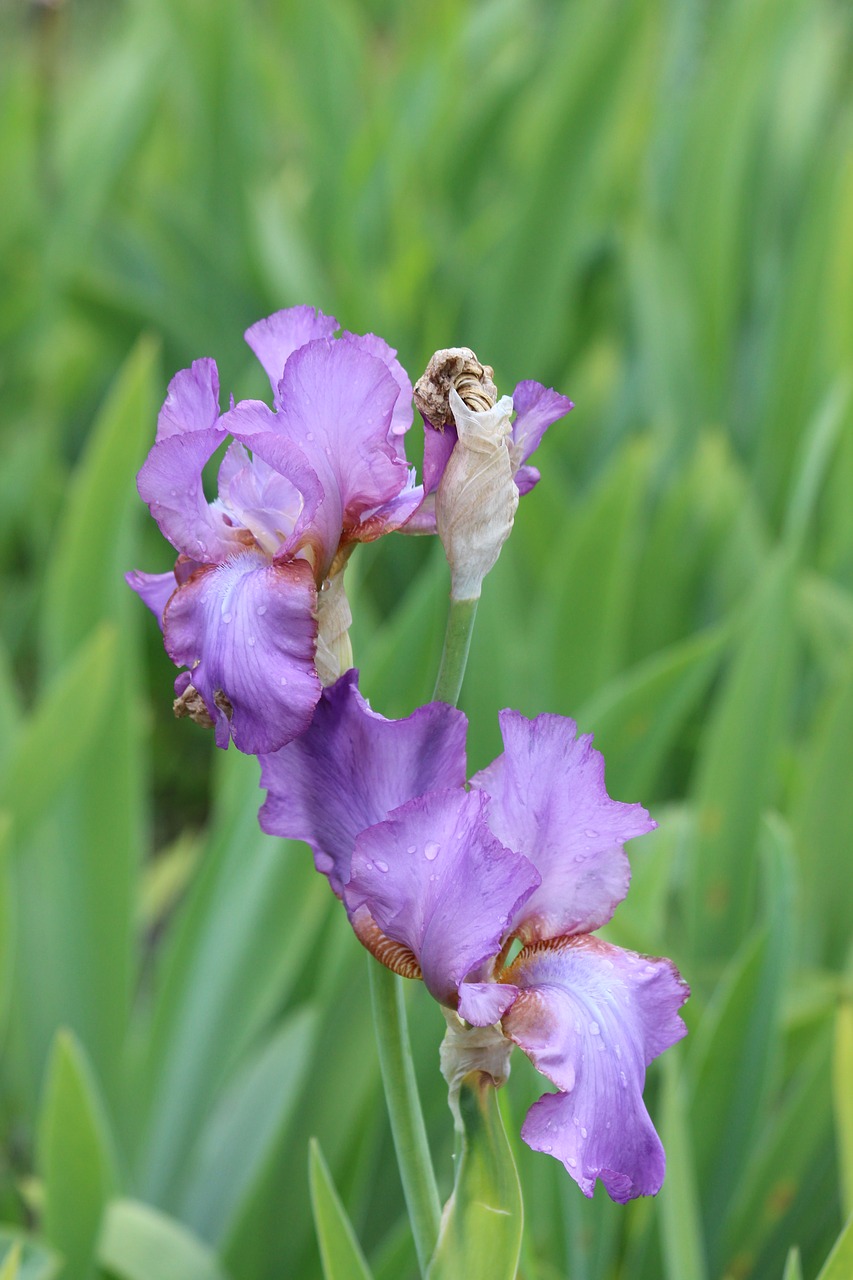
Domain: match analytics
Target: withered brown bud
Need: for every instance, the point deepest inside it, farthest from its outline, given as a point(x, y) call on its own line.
point(191, 704)
point(457, 368)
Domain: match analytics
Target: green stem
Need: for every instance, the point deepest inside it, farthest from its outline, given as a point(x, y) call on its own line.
point(404, 1110)
point(457, 642)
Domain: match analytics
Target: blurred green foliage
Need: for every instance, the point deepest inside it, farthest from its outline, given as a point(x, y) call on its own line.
point(648, 205)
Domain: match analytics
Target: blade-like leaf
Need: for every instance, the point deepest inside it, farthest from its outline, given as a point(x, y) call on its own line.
point(140, 1243)
point(843, 1098)
point(839, 1264)
point(481, 1227)
point(680, 1219)
point(76, 1157)
point(339, 1248)
point(35, 1261)
point(793, 1269)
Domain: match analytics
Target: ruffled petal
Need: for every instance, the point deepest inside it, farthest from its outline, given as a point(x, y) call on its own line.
point(192, 401)
point(482, 1003)
point(548, 801)
point(353, 767)
point(170, 482)
point(274, 493)
point(434, 878)
point(247, 629)
point(401, 418)
point(591, 1017)
point(275, 338)
point(536, 409)
point(154, 589)
point(337, 403)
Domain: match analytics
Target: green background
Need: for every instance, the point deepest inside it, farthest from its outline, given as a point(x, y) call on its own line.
point(647, 205)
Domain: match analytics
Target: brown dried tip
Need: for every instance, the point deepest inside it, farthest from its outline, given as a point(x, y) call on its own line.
point(394, 955)
point(454, 367)
point(192, 704)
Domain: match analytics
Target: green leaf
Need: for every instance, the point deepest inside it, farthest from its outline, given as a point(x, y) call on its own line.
point(680, 1218)
point(793, 1269)
point(46, 753)
point(839, 1264)
point(842, 1075)
point(339, 1248)
point(141, 1243)
point(35, 1261)
point(11, 1266)
point(481, 1228)
point(76, 1157)
point(247, 1124)
point(735, 771)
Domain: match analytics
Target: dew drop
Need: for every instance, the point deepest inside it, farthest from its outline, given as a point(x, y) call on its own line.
point(624, 1079)
point(283, 680)
point(548, 1149)
point(584, 1133)
point(590, 835)
point(226, 617)
point(594, 1029)
point(173, 492)
point(413, 848)
point(431, 850)
point(251, 642)
point(262, 608)
point(607, 1126)
point(572, 1163)
point(618, 1051)
point(310, 435)
point(380, 865)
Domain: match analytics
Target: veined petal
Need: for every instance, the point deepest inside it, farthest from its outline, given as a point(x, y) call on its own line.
point(192, 401)
point(438, 446)
point(401, 418)
point(276, 337)
point(548, 801)
point(170, 482)
point(247, 628)
point(591, 1017)
point(275, 493)
point(536, 408)
point(434, 878)
point(154, 589)
point(337, 403)
point(352, 767)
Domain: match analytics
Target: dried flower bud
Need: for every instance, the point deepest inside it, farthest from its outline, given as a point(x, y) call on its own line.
point(454, 367)
point(477, 497)
point(467, 1049)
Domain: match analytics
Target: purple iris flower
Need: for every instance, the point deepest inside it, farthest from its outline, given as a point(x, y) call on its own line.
point(444, 883)
point(299, 484)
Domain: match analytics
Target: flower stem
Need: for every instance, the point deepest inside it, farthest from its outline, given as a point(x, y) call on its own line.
point(404, 1110)
point(454, 658)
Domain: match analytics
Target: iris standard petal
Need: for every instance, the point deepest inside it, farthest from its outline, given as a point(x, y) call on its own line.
point(434, 878)
point(591, 1017)
point(154, 589)
point(548, 801)
point(536, 409)
point(247, 629)
point(276, 337)
point(401, 418)
point(192, 401)
point(337, 403)
point(170, 481)
point(352, 767)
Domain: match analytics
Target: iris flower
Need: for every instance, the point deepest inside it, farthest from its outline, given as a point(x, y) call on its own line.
point(447, 883)
point(299, 484)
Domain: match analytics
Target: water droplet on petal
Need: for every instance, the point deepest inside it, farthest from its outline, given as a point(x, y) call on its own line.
point(584, 1133)
point(283, 680)
point(226, 617)
point(173, 492)
point(594, 1029)
point(624, 1079)
point(590, 835)
point(431, 850)
point(618, 1051)
point(548, 1149)
point(380, 865)
point(310, 435)
point(251, 642)
point(262, 608)
point(572, 1163)
point(412, 848)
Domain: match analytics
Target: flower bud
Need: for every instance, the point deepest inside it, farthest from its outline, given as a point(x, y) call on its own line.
point(477, 497)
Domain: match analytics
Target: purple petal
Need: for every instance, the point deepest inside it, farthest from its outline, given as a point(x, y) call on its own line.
point(526, 478)
point(353, 767)
point(170, 482)
point(591, 1017)
point(434, 878)
point(192, 401)
point(275, 338)
point(401, 419)
point(153, 588)
point(394, 514)
point(548, 801)
point(275, 493)
point(482, 1003)
point(248, 628)
point(536, 409)
point(438, 446)
point(337, 402)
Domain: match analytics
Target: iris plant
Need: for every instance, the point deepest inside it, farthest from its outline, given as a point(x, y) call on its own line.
point(490, 890)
